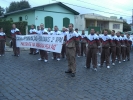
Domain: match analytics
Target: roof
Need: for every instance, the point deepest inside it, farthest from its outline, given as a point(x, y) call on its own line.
point(34, 8)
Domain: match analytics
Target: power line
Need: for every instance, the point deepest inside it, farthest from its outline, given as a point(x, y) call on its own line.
point(99, 6)
point(94, 9)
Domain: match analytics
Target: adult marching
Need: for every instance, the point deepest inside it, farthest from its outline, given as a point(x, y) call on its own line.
point(93, 45)
point(71, 39)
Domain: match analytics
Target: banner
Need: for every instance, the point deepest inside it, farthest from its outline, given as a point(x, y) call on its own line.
point(44, 42)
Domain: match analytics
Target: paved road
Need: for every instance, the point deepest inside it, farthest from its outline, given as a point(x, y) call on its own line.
point(25, 78)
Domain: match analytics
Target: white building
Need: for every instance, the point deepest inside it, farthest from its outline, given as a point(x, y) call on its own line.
point(85, 21)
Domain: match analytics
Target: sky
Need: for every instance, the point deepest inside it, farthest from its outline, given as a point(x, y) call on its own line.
point(119, 8)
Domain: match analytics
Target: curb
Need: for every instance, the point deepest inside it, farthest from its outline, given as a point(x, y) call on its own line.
point(8, 49)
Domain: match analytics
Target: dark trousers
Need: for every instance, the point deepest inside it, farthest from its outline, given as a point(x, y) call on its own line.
point(113, 53)
point(78, 49)
point(128, 52)
point(123, 52)
point(118, 53)
point(56, 55)
point(91, 55)
point(83, 49)
point(16, 50)
point(32, 50)
point(63, 51)
point(2, 47)
point(70, 54)
point(43, 54)
point(105, 56)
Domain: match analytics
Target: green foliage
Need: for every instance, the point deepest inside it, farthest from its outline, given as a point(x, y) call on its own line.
point(126, 27)
point(14, 6)
point(7, 26)
point(1, 11)
point(21, 26)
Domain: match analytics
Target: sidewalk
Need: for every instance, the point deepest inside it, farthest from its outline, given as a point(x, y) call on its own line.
point(9, 49)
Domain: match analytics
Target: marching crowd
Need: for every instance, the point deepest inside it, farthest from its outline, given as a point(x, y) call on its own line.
point(114, 46)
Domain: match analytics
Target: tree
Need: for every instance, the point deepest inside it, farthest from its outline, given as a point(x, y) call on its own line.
point(126, 27)
point(1, 11)
point(14, 6)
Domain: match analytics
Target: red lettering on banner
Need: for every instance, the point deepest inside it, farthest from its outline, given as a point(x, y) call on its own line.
point(25, 43)
point(39, 45)
point(33, 44)
point(47, 46)
point(53, 46)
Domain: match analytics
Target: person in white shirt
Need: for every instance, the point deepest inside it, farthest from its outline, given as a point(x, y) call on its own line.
point(56, 55)
point(32, 32)
point(49, 31)
point(43, 53)
point(83, 43)
point(38, 33)
point(2, 41)
point(128, 46)
point(118, 47)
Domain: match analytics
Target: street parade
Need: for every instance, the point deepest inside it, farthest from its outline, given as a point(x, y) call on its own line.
point(110, 47)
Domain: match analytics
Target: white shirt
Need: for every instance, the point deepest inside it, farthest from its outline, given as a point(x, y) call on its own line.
point(63, 33)
point(2, 34)
point(14, 30)
point(70, 35)
point(43, 31)
point(32, 30)
point(105, 37)
point(56, 33)
point(119, 38)
point(92, 37)
point(113, 37)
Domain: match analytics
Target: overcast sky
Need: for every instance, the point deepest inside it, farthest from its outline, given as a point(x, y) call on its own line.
point(119, 8)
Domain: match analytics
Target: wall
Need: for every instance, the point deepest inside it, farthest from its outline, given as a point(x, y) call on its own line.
point(116, 30)
point(57, 17)
point(80, 22)
point(15, 17)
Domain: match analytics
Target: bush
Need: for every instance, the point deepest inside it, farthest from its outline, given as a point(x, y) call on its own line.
point(21, 26)
point(7, 26)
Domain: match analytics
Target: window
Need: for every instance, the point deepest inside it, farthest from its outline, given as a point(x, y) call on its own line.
point(20, 18)
point(66, 22)
point(48, 22)
point(116, 26)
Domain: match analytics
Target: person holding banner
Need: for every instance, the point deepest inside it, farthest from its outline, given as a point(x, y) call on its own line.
point(15, 31)
point(43, 53)
point(56, 55)
point(38, 33)
point(32, 32)
point(63, 51)
point(2, 42)
point(71, 39)
point(49, 31)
